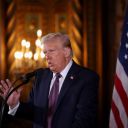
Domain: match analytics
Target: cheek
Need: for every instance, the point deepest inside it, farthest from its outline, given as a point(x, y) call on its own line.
point(59, 56)
point(58, 59)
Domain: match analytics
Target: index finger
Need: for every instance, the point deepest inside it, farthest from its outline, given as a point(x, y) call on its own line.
point(4, 84)
point(9, 83)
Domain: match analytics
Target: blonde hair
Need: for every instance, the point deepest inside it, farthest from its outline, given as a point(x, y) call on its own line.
point(64, 38)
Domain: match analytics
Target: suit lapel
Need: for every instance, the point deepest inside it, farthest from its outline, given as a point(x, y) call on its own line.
point(69, 80)
point(45, 89)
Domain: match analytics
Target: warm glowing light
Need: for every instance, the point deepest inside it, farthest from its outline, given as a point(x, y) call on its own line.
point(39, 33)
point(36, 56)
point(18, 55)
point(42, 46)
point(38, 43)
point(27, 44)
point(27, 57)
point(30, 54)
point(23, 42)
point(42, 54)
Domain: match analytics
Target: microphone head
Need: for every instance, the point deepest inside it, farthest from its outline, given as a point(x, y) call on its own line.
point(26, 77)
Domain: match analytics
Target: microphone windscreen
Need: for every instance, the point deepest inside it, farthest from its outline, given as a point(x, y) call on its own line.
point(26, 77)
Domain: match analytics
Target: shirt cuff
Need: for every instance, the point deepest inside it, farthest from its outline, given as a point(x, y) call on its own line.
point(14, 110)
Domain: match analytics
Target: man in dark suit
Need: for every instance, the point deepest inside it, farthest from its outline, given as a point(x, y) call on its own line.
point(64, 95)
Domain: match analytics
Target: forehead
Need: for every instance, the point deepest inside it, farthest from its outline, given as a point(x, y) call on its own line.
point(53, 44)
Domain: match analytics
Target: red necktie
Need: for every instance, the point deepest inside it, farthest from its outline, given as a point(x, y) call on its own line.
point(53, 99)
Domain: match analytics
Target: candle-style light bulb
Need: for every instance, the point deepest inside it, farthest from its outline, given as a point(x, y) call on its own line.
point(18, 55)
point(23, 42)
point(36, 56)
point(27, 44)
point(38, 43)
point(39, 33)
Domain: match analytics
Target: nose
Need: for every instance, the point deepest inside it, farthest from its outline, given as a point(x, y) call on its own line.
point(47, 55)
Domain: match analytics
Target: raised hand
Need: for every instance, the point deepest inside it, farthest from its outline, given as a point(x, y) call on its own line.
point(5, 87)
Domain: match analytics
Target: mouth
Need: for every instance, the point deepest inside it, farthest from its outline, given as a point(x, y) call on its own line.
point(50, 64)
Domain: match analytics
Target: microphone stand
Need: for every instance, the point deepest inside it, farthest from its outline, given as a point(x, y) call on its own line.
point(6, 98)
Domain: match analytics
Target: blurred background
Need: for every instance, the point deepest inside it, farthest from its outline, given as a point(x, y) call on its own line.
point(94, 27)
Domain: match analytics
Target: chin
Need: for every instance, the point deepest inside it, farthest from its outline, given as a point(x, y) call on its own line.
point(52, 69)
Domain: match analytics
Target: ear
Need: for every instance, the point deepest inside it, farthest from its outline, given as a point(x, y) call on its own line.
point(67, 51)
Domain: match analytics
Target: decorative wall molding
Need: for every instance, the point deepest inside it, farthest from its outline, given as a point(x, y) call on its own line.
point(76, 33)
point(2, 44)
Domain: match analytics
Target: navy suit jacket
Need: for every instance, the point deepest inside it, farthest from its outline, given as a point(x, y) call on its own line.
point(77, 102)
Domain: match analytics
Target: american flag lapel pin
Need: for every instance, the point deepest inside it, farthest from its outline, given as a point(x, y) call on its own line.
point(71, 77)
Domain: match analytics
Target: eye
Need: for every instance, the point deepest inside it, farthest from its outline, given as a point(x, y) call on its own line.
point(51, 51)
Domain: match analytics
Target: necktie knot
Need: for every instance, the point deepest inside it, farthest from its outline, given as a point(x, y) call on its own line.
point(58, 75)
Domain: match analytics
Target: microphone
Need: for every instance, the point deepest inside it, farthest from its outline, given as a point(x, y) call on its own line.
point(26, 77)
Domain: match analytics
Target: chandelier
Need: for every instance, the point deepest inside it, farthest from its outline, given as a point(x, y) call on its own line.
point(27, 59)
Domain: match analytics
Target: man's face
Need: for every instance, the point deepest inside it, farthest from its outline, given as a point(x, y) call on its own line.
point(55, 56)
